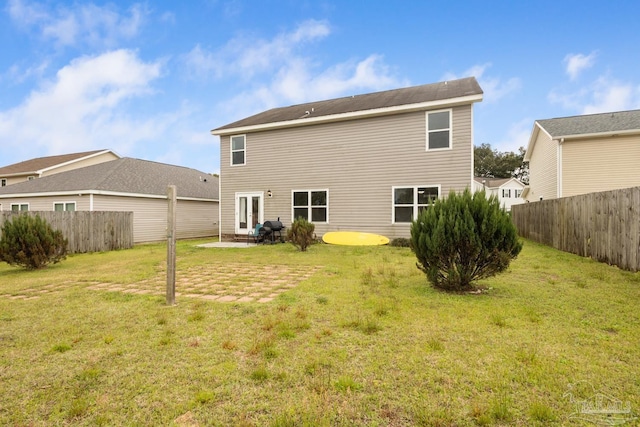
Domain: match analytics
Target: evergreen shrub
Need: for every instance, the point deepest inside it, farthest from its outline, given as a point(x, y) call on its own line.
point(301, 233)
point(30, 242)
point(463, 238)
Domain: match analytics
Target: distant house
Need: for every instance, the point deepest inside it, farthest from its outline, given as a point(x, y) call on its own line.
point(583, 154)
point(367, 162)
point(126, 184)
point(44, 166)
point(508, 190)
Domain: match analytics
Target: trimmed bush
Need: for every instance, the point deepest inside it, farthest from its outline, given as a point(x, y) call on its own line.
point(301, 233)
point(463, 238)
point(30, 242)
point(401, 242)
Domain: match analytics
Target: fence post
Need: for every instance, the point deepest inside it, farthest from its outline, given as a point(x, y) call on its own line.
point(171, 245)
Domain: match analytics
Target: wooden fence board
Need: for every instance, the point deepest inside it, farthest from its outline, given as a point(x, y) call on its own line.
point(95, 231)
point(604, 226)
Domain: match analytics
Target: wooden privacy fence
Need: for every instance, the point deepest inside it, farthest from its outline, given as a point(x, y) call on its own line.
point(604, 226)
point(87, 231)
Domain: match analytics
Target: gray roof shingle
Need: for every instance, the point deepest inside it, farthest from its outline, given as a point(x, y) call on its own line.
point(125, 175)
point(40, 163)
point(592, 123)
point(371, 101)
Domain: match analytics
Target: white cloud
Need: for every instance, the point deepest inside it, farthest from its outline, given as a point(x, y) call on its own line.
point(602, 95)
point(295, 82)
point(576, 63)
point(81, 108)
point(493, 87)
point(82, 24)
point(17, 74)
point(278, 72)
point(517, 136)
point(249, 56)
point(202, 64)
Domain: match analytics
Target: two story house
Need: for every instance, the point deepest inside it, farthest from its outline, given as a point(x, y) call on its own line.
point(583, 154)
point(367, 162)
point(44, 166)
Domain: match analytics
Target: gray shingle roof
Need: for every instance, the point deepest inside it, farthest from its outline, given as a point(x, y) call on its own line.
point(492, 182)
point(37, 164)
point(592, 123)
point(371, 101)
point(125, 175)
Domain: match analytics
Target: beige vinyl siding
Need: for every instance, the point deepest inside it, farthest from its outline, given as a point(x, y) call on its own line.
point(16, 179)
point(46, 203)
point(543, 169)
point(105, 157)
point(196, 219)
point(357, 161)
point(193, 219)
point(600, 164)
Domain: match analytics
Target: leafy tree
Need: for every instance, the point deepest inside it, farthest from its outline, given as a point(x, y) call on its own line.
point(29, 241)
point(492, 163)
point(463, 238)
point(301, 233)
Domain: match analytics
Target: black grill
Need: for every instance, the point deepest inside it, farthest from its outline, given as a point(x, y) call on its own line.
point(271, 231)
point(273, 225)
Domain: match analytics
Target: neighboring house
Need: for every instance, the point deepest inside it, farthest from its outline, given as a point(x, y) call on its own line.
point(363, 163)
point(126, 184)
point(583, 154)
point(43, 166)
point(508, 190)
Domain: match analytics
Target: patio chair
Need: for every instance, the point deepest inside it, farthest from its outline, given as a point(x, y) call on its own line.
point(255, 234)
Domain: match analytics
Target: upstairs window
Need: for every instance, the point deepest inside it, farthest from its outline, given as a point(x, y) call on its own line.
point(311, 205)
point(506, 192)
point(238, 150)
point(64, 206)
point(408, 202)
point(439, 130)
point(3, 182)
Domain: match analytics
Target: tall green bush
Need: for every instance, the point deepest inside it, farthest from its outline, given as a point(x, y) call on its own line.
point(463, 238)
point(30, 242)
point(301, 233)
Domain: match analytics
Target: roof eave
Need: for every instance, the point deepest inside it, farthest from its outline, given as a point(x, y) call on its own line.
point(443, 103)
point(532, 140)
point(70, 162)
point(598, 134)
point(100, 193)
point(29, 173)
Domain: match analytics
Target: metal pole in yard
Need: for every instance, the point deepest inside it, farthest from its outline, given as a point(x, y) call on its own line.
point(171, 245)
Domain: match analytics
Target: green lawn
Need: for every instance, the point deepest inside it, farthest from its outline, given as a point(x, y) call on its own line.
point(364, 341)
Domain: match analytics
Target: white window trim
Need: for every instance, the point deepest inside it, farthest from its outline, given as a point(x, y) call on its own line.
point(64, 205)
point(450, 147)
point(309, 206)
point(415, 197)
point(3, 182)
point(18, 205)
point(231, 150)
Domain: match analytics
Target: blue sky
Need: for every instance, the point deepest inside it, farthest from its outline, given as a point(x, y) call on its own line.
point(151, 79)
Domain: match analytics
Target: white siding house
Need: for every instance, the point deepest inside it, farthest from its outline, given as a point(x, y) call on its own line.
point(508, 190)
